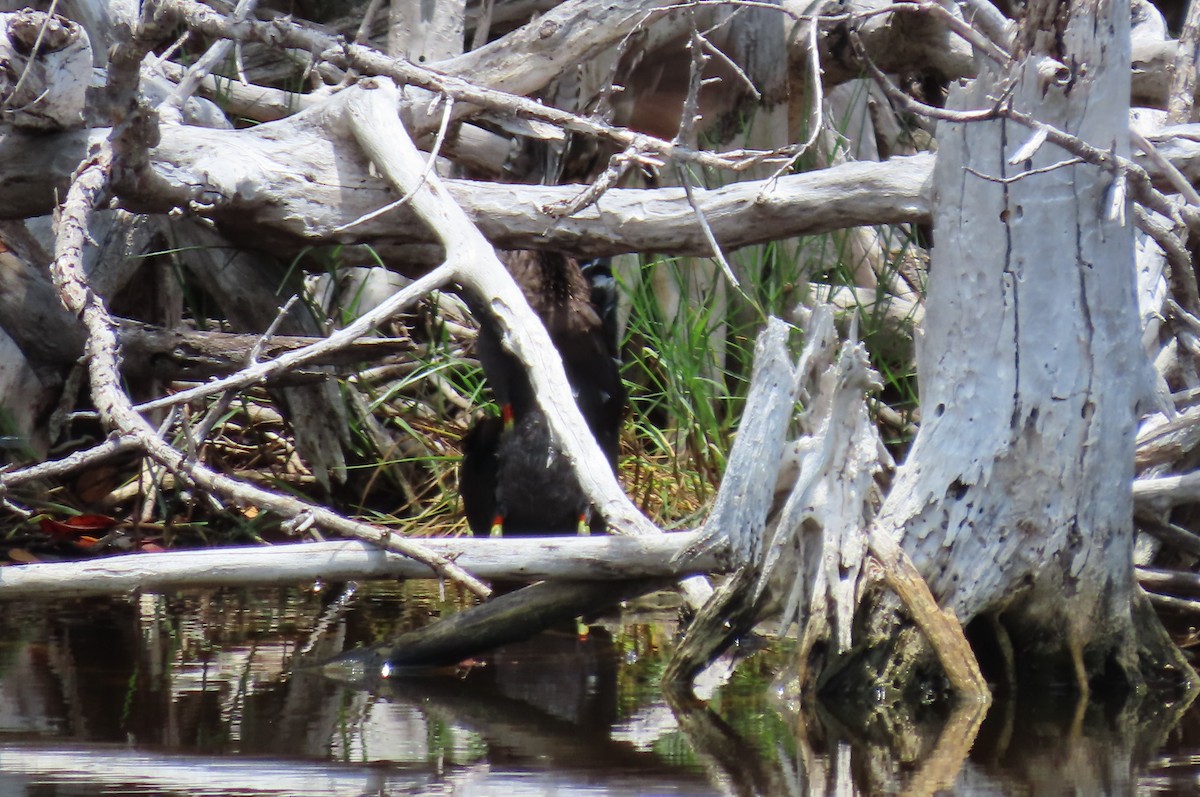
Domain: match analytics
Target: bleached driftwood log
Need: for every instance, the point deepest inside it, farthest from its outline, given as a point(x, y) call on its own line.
point(530, 559)
point(231, 177)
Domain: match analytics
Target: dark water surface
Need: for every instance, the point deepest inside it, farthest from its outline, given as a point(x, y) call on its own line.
point(212, 693)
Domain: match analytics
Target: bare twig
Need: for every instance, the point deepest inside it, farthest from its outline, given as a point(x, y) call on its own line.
point(909, 103)
point(201, 432)
point(363, 35)
point(691, 103)
point(1008, 180)
point(29, 65)
point(88, 458)
point(208, 61)
point(617, 166)
point(995, 49)
point(261, 372)
point(717, 254)
point(1125, 170)
point(816, 115)
point(483, 24)
point(1166, 168)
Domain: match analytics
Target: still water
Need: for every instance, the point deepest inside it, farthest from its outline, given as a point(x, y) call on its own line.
point(216, 693)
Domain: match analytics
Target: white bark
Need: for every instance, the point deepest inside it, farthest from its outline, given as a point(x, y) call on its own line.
point(234, 178)
point(47, 65)
point(423, 31)
point(1031, 366)
point(531, 559)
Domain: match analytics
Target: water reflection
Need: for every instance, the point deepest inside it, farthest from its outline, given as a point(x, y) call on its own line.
point(217, 693)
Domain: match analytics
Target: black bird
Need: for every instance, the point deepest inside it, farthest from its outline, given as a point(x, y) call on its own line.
point(512, 477)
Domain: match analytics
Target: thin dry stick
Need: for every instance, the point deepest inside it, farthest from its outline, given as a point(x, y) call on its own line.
point(117, 411)
point(1183, 276)
point(945, 11)
point(717, 254)
point(201, 432)
point(363, 36)
point(53, 469)
point(687, 125)
point(618, 164)
point(1178, 181)
point(207, 62)
point(816, 117)
point(691, 103)
point(37, 42)
point(483, 24)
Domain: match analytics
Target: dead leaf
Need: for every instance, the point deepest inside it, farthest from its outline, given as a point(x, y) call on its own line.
point(76, 526)
point(22, 556)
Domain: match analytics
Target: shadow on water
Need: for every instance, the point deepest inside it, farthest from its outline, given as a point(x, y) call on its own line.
point(214, 694)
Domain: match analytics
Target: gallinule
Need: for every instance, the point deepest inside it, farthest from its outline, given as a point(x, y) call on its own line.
point(513, 478)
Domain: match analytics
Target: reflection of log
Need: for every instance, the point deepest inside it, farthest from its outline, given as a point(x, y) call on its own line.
point(508, 618)
point(742, 768)
point(520, 735)
point(124, 769)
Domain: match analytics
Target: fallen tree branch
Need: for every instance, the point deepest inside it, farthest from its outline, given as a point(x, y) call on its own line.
point(195, 354)
point(1177, 537)
point(207, 171)
point(1164, 492)
point(618, 19)
point(511, 559)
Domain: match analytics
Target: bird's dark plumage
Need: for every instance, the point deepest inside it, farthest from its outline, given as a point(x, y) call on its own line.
point(514, 472)
point(477, 473)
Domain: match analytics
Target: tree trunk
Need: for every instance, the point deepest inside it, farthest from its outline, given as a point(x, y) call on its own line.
point(1015, 501)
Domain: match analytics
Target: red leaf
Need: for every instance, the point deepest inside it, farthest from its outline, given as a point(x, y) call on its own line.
point(76, 526)
point(150, 547)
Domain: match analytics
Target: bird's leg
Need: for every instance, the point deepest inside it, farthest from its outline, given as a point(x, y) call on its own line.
point(506, 415)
